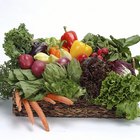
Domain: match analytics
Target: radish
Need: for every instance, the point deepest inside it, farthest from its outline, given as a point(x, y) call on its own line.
point(38, 68)
point(25, 61)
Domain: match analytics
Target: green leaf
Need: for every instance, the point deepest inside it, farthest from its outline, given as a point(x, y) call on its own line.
point(128, 109)
point(12, 77)
point(114, 56)
point(131, 40)
point(118, 42)
point(28, 74)
point(18, 74)
point(17, 41)
point(137, 61)
point(31, 88)
point(65, 87)
point(37, 97)
point(117, 89)
point(74, 70)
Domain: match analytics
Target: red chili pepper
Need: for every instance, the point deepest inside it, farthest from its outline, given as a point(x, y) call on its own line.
point(68, 37)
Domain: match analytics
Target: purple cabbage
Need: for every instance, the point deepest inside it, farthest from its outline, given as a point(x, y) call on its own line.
point(122, 67)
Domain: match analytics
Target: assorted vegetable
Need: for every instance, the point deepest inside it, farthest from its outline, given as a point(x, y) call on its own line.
point(97, 70)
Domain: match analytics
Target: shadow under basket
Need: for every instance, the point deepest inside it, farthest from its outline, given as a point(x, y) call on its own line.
point(79, 110)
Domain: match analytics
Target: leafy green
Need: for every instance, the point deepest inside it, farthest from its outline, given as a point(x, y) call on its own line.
point(17, 41)
point(28, 74)
point(64, 81)
point(18, 74)
point(65, 87)
point(118, 48)
point(52, 41)
point(117, 90)
point(128, 109)
point(137, 61)
point(131, 40)
point(37, 97)
point(74, 70)
point(21, 75)
point(5, 87)
point(94, 72)
point(30, 88)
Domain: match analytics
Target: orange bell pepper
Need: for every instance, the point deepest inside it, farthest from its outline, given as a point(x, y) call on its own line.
point(55, 51)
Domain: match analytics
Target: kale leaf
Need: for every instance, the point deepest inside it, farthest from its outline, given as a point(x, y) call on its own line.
point(17, 41)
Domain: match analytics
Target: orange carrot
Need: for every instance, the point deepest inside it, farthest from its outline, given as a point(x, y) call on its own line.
point(59, 98)
point(49, 100)
point(28, 110)
point(40, 113)
point(18, 100)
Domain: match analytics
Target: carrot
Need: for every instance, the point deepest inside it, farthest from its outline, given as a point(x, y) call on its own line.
point(18, 100)
point(28, 110)
point(59, 98)
point(40, 113)
point(49, 100)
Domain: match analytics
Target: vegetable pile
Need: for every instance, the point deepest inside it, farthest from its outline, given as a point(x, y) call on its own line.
point(98, 70)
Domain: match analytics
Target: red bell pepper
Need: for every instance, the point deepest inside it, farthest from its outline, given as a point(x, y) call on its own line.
point(68, 37)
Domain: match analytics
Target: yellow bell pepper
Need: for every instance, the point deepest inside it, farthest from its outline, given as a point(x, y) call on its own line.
point(79, 48)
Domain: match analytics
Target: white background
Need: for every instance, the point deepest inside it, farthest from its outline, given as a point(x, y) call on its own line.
point(46, 18)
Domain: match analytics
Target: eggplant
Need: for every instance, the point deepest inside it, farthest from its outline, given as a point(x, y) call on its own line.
point(38, 47)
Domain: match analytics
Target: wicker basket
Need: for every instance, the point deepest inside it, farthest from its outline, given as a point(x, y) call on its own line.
point(79, 109)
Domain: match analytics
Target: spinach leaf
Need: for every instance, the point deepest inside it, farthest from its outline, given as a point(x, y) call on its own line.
point(18, 74)
point(30, 88)
point(28, 74)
